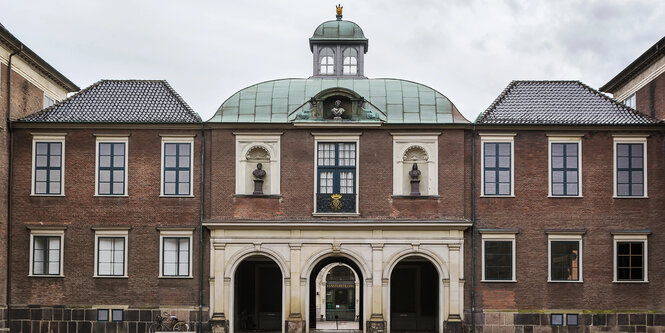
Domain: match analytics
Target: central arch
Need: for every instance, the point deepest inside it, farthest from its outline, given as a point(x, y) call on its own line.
point(258, 295)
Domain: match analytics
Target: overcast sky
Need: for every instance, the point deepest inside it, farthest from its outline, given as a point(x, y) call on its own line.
point(208, 50)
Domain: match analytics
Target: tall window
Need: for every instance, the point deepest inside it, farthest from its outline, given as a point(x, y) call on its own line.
point(565, 174)
point(111, 168)
point(630, 256)
point(326, 61)
point(336, 163)
point(46, 255)
point(497, 168)
point(630, 171)
point(350, 63)
point(631, 101)
point(176, 256)
point(48, 167)
point(565, 258)
point(498, 256)
point(177, 168)
point(111, 253)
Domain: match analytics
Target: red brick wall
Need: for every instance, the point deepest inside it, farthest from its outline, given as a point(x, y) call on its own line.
point(374, 177)
point(651, 98)
point(80, 210)
point(531, 211)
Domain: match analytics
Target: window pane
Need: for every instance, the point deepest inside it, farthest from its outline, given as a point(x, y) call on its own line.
point(118, 161)
point(183, 176)
point(504, 149)
point(557, 176)
point(119, 149)
point(622, 149)
point(170, 162)
point(490, 188)
point(564, 260)
point(504, 189)
point(183, 149)
point(118, 175)
point(56, 148)
point(504, 162)
point(183, 188)
point(41, 161)
point(118, 188)
point(41, 148)
point(557, 189)
point(104, 149)
point(169, 188)
point(571, 162)
point(40, 175)
point(55, 161)
point(169, 149)
point(117, 315)
point(40, 187)
point(54, 187)
point(622, 162)
point(571, 188)
point(54, 268)
point(498, 260)
point(557, 162)
point(170, 268)
point(104, 161)
point(490, 176)
point(183, 162)
point(636, 149)
point(490, 162)
point(557, 149)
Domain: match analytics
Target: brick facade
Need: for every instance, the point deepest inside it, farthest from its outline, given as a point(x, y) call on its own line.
point(650, 99)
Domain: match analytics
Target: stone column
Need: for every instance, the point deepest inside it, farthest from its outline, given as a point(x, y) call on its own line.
point(454, 322)
point(377, 323)
point(218, 322)
point(295, 322)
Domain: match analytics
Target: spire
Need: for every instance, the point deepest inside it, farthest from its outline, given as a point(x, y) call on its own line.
point(339, 12)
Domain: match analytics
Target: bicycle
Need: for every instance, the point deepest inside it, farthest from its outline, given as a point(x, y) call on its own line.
point(167, 322)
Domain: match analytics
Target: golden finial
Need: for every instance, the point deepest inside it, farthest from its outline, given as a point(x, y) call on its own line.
point(339, 11)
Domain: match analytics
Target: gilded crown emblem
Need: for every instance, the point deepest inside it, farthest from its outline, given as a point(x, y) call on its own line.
point(339, 9)
point(336, 204)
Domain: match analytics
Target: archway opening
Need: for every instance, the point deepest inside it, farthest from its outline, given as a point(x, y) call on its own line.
point(414, 296)
point(336, 301)
point(258, 295)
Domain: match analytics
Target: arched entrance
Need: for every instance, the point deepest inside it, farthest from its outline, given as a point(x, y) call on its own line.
point(343, 307)
point(414, 296)
point(258, 295)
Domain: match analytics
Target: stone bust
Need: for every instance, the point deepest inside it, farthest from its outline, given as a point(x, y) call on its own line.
point(414, 173)
point(259, 173)
point(337, 111)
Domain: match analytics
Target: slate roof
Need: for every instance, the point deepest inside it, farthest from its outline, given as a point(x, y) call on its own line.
point(401, 101)
point(558, 103)
point(120, 101)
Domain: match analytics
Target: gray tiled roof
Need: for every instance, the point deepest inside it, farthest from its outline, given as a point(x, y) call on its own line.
point(120, 101)
point(559, 103)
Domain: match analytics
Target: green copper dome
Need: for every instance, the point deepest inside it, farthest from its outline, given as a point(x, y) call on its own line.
point(338, 31)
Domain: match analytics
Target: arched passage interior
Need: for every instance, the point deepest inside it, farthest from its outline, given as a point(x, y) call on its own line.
point(414, 296)
point(258, 295)
point(312, 287)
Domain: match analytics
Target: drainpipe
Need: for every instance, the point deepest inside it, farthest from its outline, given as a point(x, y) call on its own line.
point(10, 156)
point(473, 229)
point(199, 327)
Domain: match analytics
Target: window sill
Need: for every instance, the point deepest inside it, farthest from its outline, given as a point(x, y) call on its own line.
point(175, 277)
point(497, 196)
point(433, 197)
point(564, 281)
point(565, 196)
point(110, 277)
point(46, 195)
point(265, 196)
point(45, 276)
point(112, 195)
point(499, 281)
point(631, 282)
point(630, 197)
point(336, 214)
point(175, 196)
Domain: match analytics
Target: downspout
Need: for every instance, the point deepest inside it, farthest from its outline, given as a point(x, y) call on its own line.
point(10, 156)
point(473, 228)
point(199, 327)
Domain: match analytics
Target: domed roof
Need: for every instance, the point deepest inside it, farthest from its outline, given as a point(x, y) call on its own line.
point(338, 30)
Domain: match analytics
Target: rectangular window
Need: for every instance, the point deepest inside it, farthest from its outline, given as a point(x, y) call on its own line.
point(48, 101)
point(117, 314)
point(630, 171)
point(111, 166)
point(497, 168)
point(175, 256)
point(631, 101)
point(48, 167)
point(556, 319)
point(102, 315)
point(336, 165)
point(498, 255)
point(565, 259)
point(565, 168)
point(111, 255)
point(46, 255)
point(177, 167)
point(630, 260)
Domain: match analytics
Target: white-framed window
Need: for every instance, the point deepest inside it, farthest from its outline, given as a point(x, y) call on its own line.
point(565, 166)
point(498, 255)
point(48, 101)
point(564, 252)
point(630, 166)
point(111, 165)
point(177, 166)
point(631, 256)
point(336, 160)
point(254, 148)
point(48, 164)
point(327, 61)
point(421, 149)
point(631, 101)
point(350, 61)
point(46, 252)
point(111, 252)
point(497, 159)
point(175, 253)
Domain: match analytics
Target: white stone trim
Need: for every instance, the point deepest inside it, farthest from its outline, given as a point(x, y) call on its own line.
point(564, 139)
point(48, 233)
point(497, 138)
point(430, 144)
point(564, 236)
point(101, 233)
point(268, 141)
point(177, 139)
point(180, 234)
point(45, 137)
point(337, 138)
point(640, 81)
point(499, 236)
point(111, 139)
point(634, 237)
point(629, 138)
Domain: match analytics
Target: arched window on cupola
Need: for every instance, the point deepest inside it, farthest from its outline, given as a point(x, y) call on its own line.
point(326, 61)
point(350, 63)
